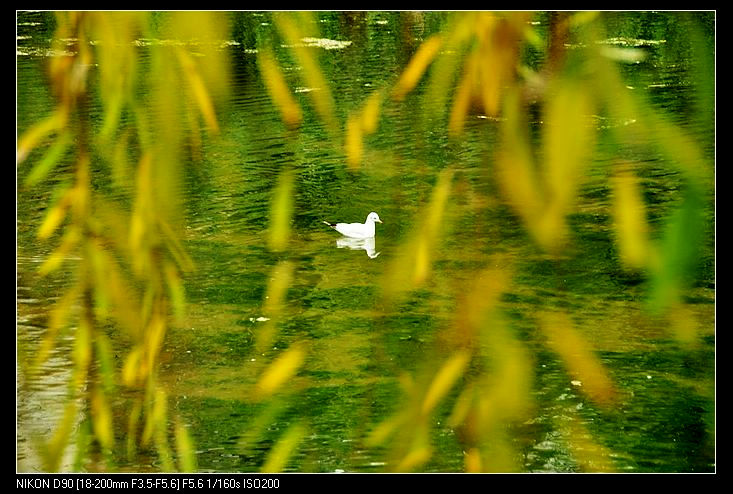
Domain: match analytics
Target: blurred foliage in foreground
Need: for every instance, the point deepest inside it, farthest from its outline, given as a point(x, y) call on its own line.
point(131, 259)
point(474, 66)
point(131, 264)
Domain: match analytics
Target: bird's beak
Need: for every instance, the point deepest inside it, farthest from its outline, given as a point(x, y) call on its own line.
point(379, 221)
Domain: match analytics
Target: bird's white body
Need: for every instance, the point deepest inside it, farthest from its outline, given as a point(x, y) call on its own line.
point(357, 230)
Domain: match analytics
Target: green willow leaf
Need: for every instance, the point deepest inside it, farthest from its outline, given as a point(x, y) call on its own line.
point(54, 154)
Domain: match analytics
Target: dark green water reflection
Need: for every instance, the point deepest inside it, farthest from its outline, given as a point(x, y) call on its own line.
point(358, 344)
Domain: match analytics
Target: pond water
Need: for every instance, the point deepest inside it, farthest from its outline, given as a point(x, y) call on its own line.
point(359, 345)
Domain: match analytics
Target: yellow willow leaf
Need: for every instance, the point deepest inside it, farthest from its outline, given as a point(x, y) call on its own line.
point(139, 220)
point(280, 371)
point(385, 429)
point(53, 452)
point(492, 77)
point(503, 395)
point(370, 112)
point(56, 320)
point(580, 361)
point(580, 18)
point(259, 426)
point(55, 215)
point(619, 101)
point(436, 208)
point(98, 262)
point(414, 458)
point(289, 26)
point(320, 93)
point(459, 34)
point(462, 101)
point(206, 32)
point(131, 375)
point(630, 219)
point(60, 312)
point(501, 48)
point(198, 88)
point(82, 351)
point(567, 140)
point(683, 324)
point(433, 222)
point(680, 148)
point(124, 306)
point(157, 419)
point(549, 227)
point(185, 449)
point(159, 413)
point(444, 380)
point(137, 233)
point(132, 427)
point(590, 456)
point(515, 168)
point(307, 21)
point(117, 59)
point(277, 288)
point(517, 179)
point(274, 79)
point(513, 381)
point(164, 451)
point(472, 461)
point(533, 38)
point(411, 266)
point(419, 62)
point(282, 451)
point(175, 247)
point(281, 211)
point(483, 25)
point(53, 261)
point(461, 407)
point(498, 455)
point(113, 103)
point(169, 104)
point(102, 420)
point(491, 86)
point(155, 335)
point(567, 144)
point(176, 290)
point(477, 300)
point(422, 261)
point(32, 137)
point(354, 144)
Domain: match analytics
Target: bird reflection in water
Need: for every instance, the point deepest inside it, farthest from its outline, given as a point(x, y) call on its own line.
point(367, 244)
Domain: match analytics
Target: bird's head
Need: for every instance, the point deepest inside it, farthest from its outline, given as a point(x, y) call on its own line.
point(373, 217)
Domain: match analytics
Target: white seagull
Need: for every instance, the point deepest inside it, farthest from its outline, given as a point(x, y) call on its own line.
point(357, 230)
